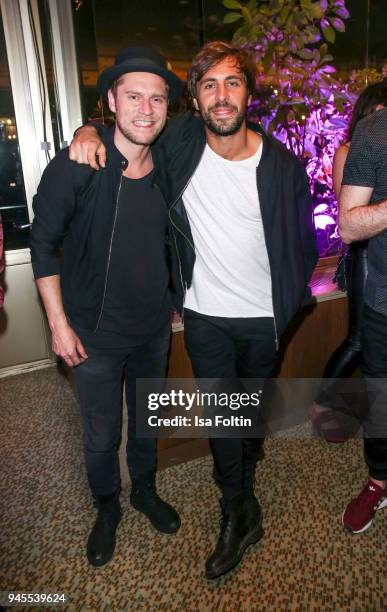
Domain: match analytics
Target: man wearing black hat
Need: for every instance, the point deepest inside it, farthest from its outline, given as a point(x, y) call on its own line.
point(108, 298)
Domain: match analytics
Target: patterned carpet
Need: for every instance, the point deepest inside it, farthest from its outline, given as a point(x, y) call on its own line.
point(306, 562)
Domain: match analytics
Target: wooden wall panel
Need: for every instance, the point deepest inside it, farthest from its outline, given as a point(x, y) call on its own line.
point(312, 337)
point(179, 363)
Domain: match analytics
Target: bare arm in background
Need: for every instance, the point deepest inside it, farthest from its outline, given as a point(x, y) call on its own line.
point(359, 220)
point(338, 168)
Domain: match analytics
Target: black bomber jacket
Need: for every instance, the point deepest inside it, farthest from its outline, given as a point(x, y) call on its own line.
point(75, 211)
point(286, 210)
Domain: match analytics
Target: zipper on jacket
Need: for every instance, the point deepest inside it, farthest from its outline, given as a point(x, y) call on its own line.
point(183, 286)
point(269, 258)
point(179, 196)
point(275, 329)
point(183, 282)
point(174, 204)
point(110, 253)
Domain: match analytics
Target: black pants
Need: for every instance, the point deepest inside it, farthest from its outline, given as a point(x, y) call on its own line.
point(347, 356)
point(231, 348)
point(350, 276)
point(99, 381)
point(374, 341)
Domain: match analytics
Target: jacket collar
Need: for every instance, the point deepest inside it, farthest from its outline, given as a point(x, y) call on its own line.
point(114, 154)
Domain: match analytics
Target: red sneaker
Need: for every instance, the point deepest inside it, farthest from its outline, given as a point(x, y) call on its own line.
point(358, 515)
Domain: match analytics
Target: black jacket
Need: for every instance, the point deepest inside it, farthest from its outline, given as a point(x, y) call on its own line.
point(286, 210)
point(75, 212)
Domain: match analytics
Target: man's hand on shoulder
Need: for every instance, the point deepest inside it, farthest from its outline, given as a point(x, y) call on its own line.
point(88, 148)
point(67, 345)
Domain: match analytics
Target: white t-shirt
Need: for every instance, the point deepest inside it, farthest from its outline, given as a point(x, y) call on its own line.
point(231, 276)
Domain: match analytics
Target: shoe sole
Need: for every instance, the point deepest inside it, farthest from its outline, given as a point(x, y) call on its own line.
point(368, 525)
point(155, 525)
point(251, 538)
point(102, 562)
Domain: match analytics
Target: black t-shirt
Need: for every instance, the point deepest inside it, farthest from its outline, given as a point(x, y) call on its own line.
point(137, 301)
point(366, 166)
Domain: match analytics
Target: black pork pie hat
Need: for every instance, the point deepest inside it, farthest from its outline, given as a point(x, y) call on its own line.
point(139, 59)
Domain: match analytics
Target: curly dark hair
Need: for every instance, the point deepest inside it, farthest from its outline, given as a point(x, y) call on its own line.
point(373, 95)
point(214, 52)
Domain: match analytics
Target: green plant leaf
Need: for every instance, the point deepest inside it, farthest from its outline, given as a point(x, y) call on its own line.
point(306, 54)
point(306, 5)
point(339, 104)
point(246, 13)
point(231, 17)
point(316, 11)
point(284, 14)
point(299, 41)
point(232, 4)
point(297, 100)
point(329, 34)
point(327, 58)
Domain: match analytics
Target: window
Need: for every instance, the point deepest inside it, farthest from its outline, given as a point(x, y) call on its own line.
point(13, 203)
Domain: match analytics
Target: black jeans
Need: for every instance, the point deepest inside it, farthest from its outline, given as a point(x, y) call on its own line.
point(374, 341)
point(99, 381)
point(230, 348)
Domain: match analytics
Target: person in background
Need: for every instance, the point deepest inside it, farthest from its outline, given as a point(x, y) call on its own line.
point(351, 276)
point(363, 216)
point(241, 211)
point(108, 299)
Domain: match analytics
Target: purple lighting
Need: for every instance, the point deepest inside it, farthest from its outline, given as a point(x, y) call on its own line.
point(313, 133)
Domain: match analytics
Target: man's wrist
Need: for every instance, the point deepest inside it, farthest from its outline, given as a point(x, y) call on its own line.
point(58, 322)
point(87, 126)
point(94, 127)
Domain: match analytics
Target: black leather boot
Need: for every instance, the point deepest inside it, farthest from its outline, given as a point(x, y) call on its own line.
point(102, 538)
point(253, 508)
point(238, 530)
point(144, 498)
